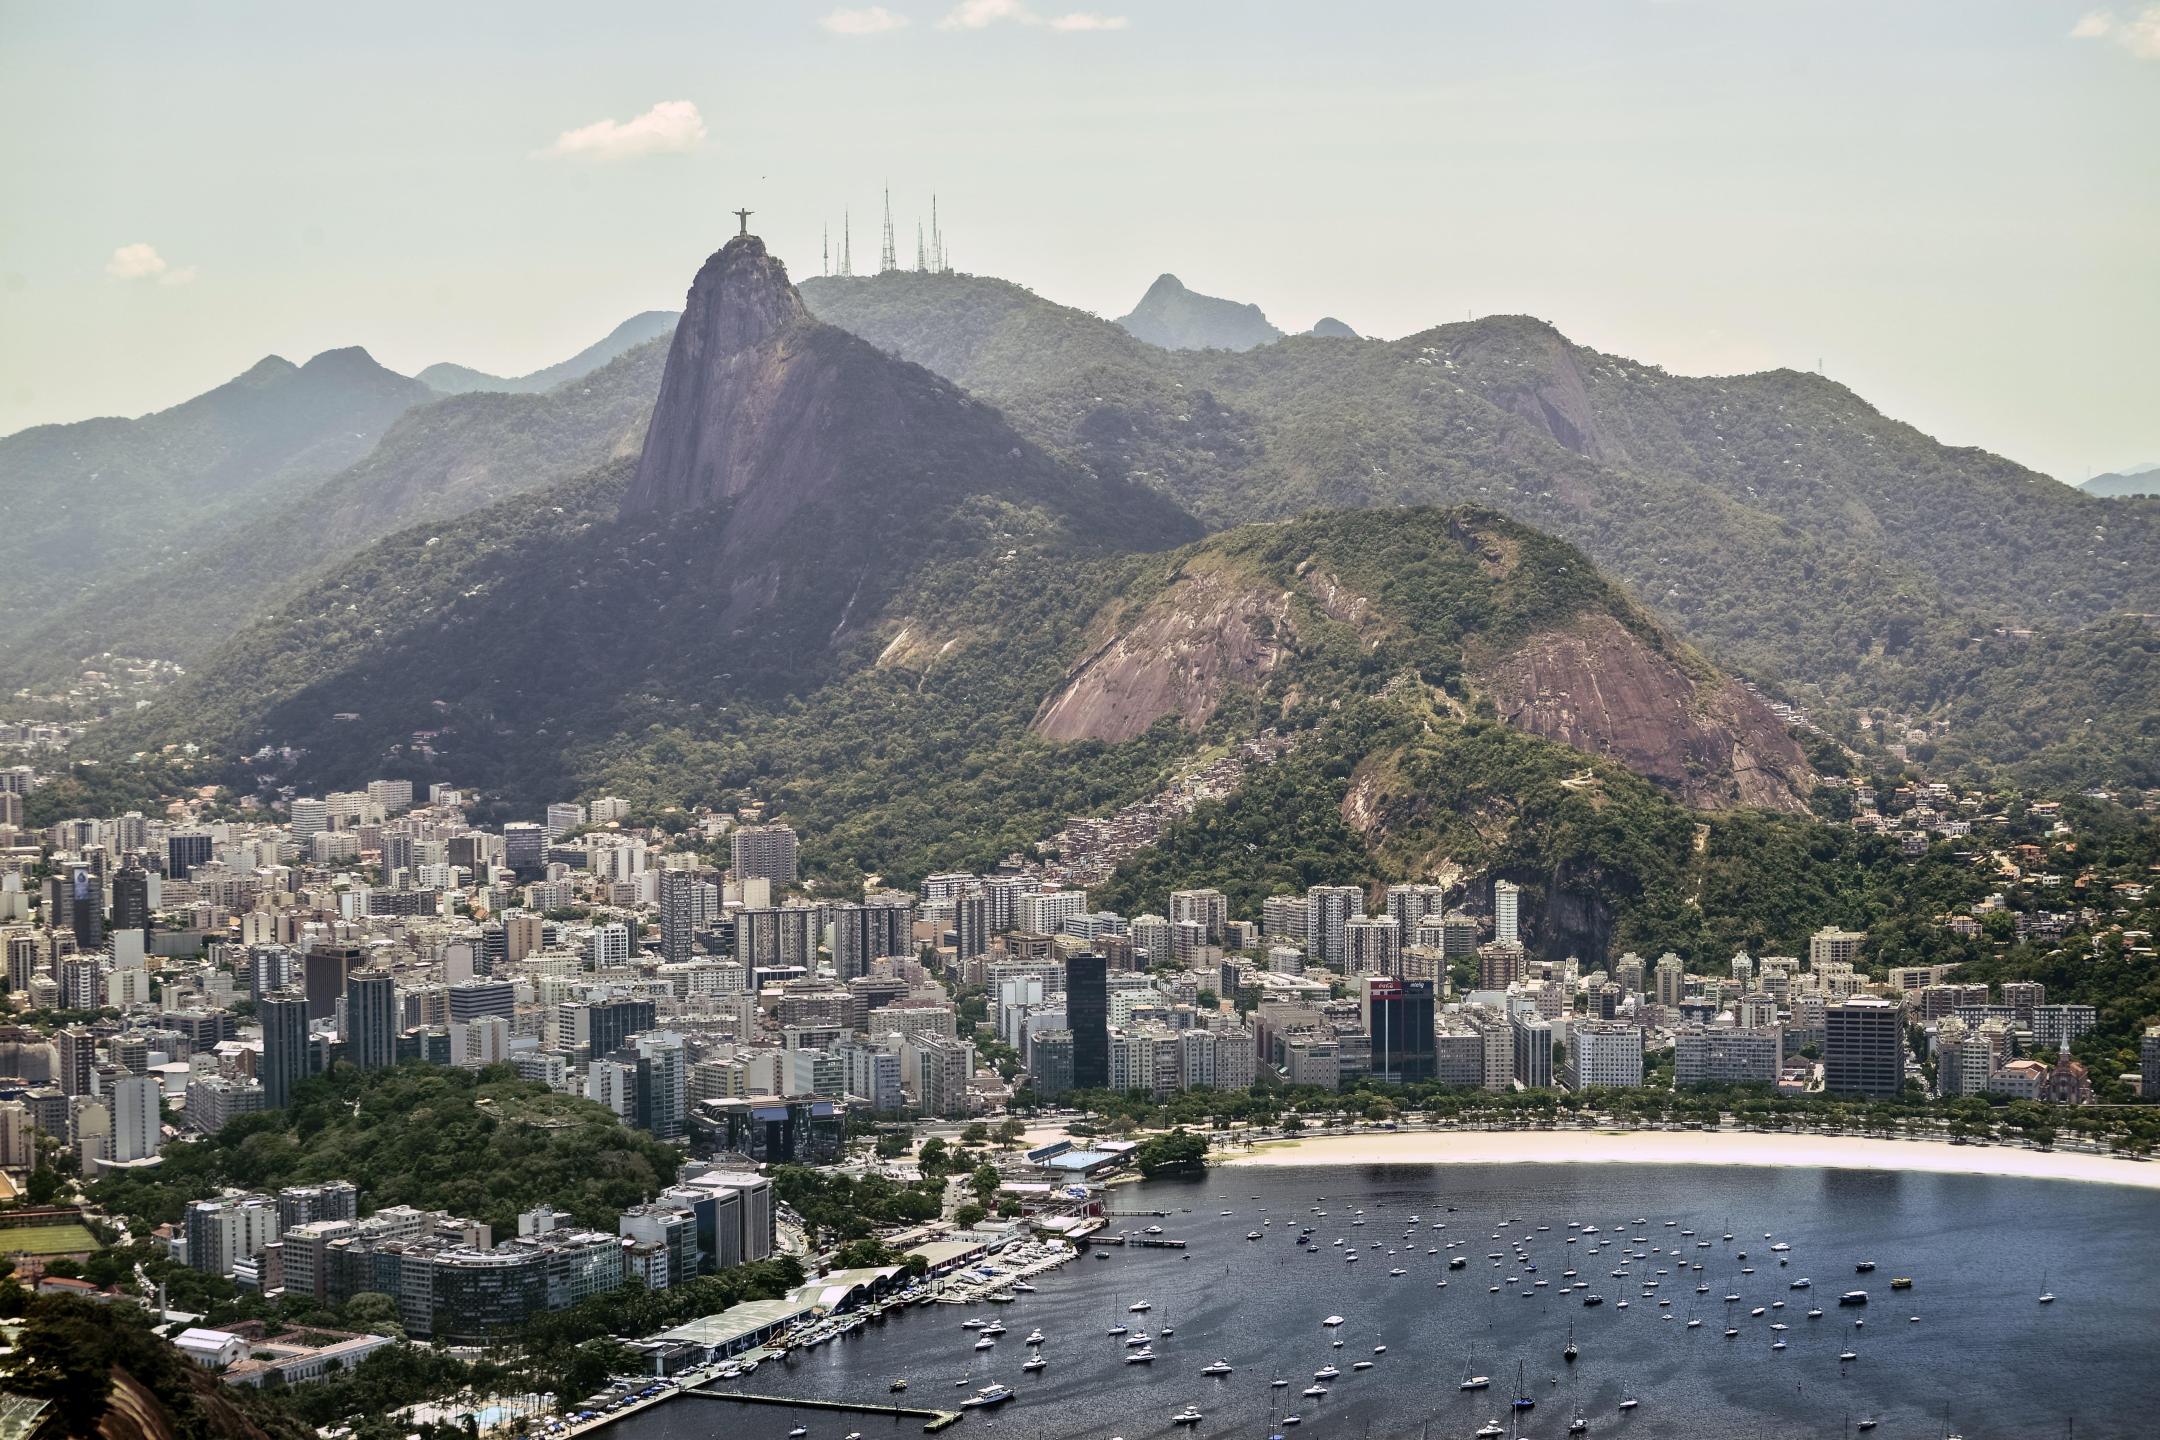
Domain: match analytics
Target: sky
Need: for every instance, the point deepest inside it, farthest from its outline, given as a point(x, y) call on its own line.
point(1952, 206)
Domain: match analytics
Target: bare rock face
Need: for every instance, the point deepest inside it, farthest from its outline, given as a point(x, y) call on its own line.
point(725, 406)
point(1598, 687)
point(1205, 634)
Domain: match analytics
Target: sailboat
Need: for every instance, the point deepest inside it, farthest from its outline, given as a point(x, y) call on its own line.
point(1524, 1400)
point(2047, 1296)
point(1570, 1353)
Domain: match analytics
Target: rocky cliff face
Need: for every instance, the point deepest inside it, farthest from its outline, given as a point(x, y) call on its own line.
point(1176, 318)
point(1208, 631)
point(1599, 688)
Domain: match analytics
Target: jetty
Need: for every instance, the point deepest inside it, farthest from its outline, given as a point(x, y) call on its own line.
point(933, 1420)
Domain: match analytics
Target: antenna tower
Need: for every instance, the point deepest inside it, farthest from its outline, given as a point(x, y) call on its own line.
point(847, 244)
point(825, 249)
point(937, 239)
point(921, 258)
point(888, 260)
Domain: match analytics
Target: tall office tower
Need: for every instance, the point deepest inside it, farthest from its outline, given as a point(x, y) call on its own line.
point(184, 850)
point(1507, 912)
point(392, 795)
point(1327, 909)
point(870, 931)
point(287, 1055)
point(765, 851)
point(1210, 908)
point(525, 849)
point(1087, 1015)
point(323, 974)
point(971, 924)
point(86, 906)
point(309, 818)
point(1864, 1047)
point(1399, 1017)
point(563, 817)
point(131, 897)
point(678, 914)
point(371, 1020)
point(600, 1027)
point(1409, 904)
point(663, 1083)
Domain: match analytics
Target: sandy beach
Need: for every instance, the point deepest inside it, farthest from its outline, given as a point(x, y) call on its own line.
point(1691, 1147)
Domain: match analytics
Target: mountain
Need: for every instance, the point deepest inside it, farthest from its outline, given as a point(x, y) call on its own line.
point(2136, 480)
point(448, 379)
point(103, 497)
point(1836, 556)
point(1176, 318)
point(438, 461)
point(1328, 327)
point(833, 581)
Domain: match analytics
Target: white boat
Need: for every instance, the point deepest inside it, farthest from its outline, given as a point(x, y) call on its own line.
point(2047, 1296)
point(1138, 1339)
point(1475, 1382)
point(987, 1396)
point(993, 1328)
point(973, 1324)
point(1153, 1230)
point(1140, 1307)
point(1024, 1288)
point(1490, 1430)
point(1398, 1270)
point(1278, 1384)
point(1188, 1416)
point(798, 1432)
point(1035, 1337)
point(1331, 1321)
point(1220, 1367)
point(1116, 1330)
point(1252, 1234)
point(1142, 1356)
point(1314, 1392)
point(1034, 1363)
point(1362, 1365)
point(1326, 1372)
point(986, 1343)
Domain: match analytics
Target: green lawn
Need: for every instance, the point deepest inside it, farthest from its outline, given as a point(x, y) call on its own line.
point(60, 1239)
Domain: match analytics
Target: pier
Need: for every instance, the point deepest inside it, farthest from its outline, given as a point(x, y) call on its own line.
point(933, 1420)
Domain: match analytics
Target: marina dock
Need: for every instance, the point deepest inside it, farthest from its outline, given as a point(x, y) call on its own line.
point(933, 1420)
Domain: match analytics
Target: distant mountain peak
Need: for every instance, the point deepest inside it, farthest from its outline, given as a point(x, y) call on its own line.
point(741, 298)
point(1178, 318)
point(343, 360)
point(1331, 328)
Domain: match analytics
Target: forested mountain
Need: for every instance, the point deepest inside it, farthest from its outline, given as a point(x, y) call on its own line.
point(82, 502)
point(452, 379)
point(836, 581)
point(439, 461)
point(1779, 521)
point(2142, 480)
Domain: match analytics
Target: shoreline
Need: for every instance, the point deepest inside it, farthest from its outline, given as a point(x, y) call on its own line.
point(1691, 1147)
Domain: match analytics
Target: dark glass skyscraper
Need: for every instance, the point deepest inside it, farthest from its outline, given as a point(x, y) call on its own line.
point(131, 897)
point(1399, 1017)
point(286, 1050)
point(87, 911)
point(371, 1016)
point(1087, 1015)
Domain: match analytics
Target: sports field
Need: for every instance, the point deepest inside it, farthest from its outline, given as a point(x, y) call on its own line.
point(62, 1239)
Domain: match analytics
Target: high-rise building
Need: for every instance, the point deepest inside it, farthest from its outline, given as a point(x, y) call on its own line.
point(1731, 1055)
point(600, 1027)
point(678, 914)
point(1087, 1015)
point(1399, 1018)
point(1050, 1063)
point(309, 818)
point(1507, 912)
point(1831, 946)
point(525, 849)
point(1372, 945)
point(1210, 907)
point(1604, 1055)
point(2149, 1065)
point(1328, 908)
point(184, 850)
point(371, 1020)
point(764, 851)
point(1408, 904)
point(1864, 1047)
point(1671, 980)
point(871, 931)
point(1533, 1050)
point(75, 1048)
point(324, 971)
point(87, 910)
point(287, 1052)
point(562, 818)
point(136, 1134)
point(971, 925)
point(131, 897)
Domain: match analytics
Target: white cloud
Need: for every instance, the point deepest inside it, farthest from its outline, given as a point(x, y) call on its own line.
point(981, 14)
point(142, 262)
point(872, 20)
point(2139, 34)
point(669, 128)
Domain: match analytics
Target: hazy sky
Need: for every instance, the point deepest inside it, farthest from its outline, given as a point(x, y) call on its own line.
point(1954, 205)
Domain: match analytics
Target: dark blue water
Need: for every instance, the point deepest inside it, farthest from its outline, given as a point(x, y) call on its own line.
point(1984, 1359)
